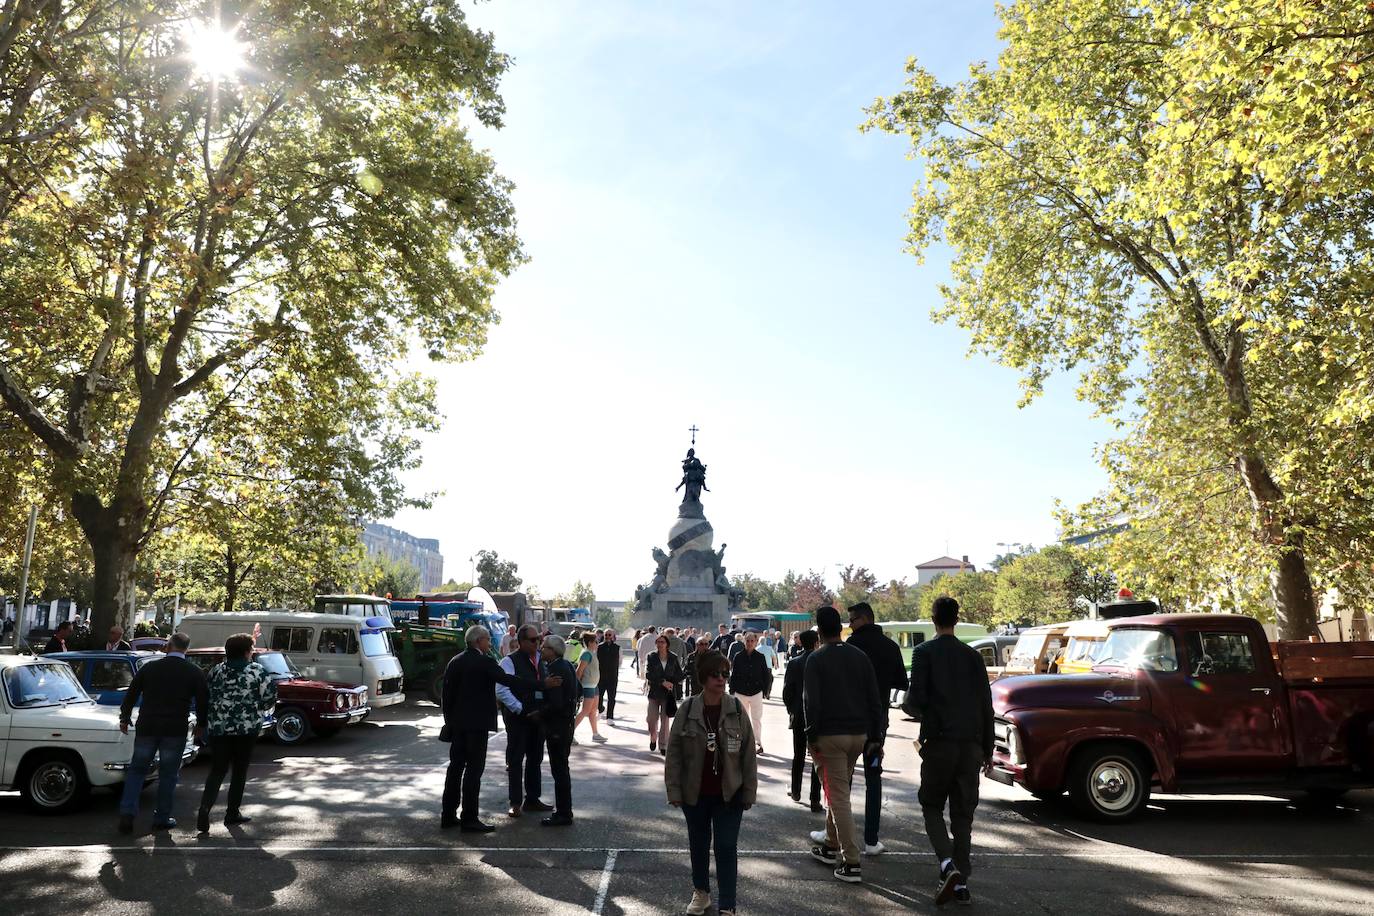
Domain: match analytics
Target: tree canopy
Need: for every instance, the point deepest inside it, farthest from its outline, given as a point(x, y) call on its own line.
point(498, 575)
point(208, 280)
point(1174, 199)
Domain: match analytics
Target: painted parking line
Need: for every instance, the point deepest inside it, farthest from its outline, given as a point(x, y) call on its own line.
point(605, 886)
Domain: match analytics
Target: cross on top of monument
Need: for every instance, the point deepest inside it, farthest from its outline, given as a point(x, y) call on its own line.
point(694, 432)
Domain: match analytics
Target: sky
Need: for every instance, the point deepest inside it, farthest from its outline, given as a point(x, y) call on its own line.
point(714, 243)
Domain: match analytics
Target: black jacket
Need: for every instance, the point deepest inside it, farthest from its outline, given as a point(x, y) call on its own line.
point(949, 685)
point(54, 645)
point(656, 672)
point(689, 670)
point(840, 694)
point(749, 672)
point(470, 691)
point(885, 655)
point(722, 642)
point(562, 702)
point(792, 691)
point(168, 687)
point(608, 659)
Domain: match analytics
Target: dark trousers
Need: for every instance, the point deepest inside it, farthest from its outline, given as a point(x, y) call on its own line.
point(605, 697)
point(559, 748)
point(873, 798)
point(949, 773)
point(467, 758)
point(799, 758)
point(228, 753)
point(524, 755)
point(711, 815)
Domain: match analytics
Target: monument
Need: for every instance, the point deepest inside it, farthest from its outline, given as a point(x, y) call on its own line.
point(689, 587)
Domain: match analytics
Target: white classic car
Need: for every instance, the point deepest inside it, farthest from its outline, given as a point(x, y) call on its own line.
point(55, 742)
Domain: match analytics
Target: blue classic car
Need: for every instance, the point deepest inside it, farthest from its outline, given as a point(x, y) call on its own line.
point(106, 675)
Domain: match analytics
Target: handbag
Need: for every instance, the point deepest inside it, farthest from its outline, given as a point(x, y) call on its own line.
point(445, 734)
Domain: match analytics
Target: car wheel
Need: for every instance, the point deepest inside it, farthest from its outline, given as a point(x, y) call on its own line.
point(1110, 783)
point(55, 783)
point(292, 726)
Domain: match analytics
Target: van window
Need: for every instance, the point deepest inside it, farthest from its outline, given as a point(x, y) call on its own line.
point(338, 641)
point(989, 654)
point(291, 639)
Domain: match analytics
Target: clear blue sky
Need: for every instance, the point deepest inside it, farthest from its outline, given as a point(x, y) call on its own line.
point(714, 242)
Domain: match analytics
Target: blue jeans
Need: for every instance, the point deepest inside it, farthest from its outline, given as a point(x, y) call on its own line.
point(711, 814)
point(168, 752)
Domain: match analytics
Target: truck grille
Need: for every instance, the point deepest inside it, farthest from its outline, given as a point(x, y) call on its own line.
point(390, 685)
point(999, 737)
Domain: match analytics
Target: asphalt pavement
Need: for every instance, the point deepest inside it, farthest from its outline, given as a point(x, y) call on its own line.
point(349, 824)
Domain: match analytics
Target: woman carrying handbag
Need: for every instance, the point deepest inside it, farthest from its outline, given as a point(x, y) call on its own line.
point(662, 672)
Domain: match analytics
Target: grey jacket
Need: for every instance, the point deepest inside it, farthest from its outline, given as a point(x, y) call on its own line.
point(687, 752)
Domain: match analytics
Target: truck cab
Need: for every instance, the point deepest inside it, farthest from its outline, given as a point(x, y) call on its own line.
point(1195, 703)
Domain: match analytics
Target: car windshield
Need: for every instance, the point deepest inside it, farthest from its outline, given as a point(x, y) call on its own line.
point(1146, 650)
point(277, 664)
point(1083, 647)
point(375, 644)
point(1027, 649)
point(43, 685)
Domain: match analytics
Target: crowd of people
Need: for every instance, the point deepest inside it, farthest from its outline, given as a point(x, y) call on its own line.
point(705, 695)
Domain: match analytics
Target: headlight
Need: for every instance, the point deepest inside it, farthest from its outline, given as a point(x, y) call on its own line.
point(340, 701)
point(1014, 749)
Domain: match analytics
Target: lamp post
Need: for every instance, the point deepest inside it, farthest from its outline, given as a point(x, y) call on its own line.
point(24, 576)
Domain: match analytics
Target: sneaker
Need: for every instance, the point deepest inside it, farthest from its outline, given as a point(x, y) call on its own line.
point(725, 912)
point(875, 849)
point(818, 836)
point(824, 854)
point(701, 902)
point(600, 739)
point(962, 896)
point(949, 880)
point(850, 874)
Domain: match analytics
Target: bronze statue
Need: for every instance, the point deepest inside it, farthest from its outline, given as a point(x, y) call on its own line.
point(693, 477)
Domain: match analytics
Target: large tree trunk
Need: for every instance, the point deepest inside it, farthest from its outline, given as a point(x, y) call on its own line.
point(113, 533)
point(1289, 582)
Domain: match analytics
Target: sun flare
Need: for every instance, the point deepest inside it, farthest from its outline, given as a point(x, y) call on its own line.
point(214, 51)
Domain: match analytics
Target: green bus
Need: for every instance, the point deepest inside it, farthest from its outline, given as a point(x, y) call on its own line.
point(903, 632)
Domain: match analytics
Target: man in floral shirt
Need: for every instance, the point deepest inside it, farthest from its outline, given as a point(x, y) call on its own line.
point(240, 691)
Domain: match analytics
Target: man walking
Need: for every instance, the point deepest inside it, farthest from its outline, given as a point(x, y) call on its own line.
point(722, 640)
point(888, 668)
point(58, 641)
point(796, 716)
point(469, 716)
point(645, 648)
point(691, 677)
point(560, 708)
point(843, 720)
point(524, 730)
point(748, 679)
point(949, 686)
point(168, 687)
point(608, 660)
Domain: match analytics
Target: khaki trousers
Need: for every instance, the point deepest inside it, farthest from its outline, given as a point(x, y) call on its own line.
point(834, 756)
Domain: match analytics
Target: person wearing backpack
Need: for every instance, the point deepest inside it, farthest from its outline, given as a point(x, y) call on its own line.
point(711, 773)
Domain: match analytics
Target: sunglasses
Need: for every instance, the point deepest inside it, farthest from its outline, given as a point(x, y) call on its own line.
point(719, 674)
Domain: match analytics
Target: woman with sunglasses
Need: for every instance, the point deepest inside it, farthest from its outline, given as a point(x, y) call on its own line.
point(712, 774)
point(662, 672)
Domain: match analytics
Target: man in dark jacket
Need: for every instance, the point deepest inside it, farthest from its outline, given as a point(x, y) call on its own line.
point(470, 715)
point(844, 720)
point(608, 660)
point(168, 687)
point(58, 641)
point(524, 729)
point(950, 688)
point(796, 718)
point(559, 710)
point(888, 668)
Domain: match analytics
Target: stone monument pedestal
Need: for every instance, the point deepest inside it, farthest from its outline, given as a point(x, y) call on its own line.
point(684, 609)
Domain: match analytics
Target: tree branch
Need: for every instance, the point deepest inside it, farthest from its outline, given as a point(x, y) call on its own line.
point(32, 416)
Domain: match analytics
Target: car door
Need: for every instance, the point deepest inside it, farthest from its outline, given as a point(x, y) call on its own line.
point(336, 656)
point(6, 777)
point(1232, 718)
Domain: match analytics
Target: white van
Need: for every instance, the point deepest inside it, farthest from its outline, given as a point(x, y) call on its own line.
point(328, 647)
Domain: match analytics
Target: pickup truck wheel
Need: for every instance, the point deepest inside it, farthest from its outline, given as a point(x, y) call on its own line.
point(292, 727)
point(1109, 783)
point(55, 783)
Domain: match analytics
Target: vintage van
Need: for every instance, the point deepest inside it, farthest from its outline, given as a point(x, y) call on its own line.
point(327, 647)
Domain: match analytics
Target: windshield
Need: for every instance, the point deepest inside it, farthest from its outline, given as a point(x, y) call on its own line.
point(1082, 648)
point(375, 644)
point(1147, 650)
point(277, 664)
point(1027, 649)
point(42, 685)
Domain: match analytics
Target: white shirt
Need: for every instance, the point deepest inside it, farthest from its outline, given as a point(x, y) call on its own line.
point(646, 648)
point(503, 693)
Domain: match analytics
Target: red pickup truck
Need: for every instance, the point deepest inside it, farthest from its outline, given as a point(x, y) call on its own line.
point(1190, 703)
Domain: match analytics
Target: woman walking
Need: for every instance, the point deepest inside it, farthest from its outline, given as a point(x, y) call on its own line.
point(662, 672)
point(712, 774)
point(240, 691)
point(588, 675)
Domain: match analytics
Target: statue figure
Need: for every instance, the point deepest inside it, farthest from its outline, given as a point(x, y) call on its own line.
point(661, 559)
point(660, 583)
point(693, 477)
point(644, 598)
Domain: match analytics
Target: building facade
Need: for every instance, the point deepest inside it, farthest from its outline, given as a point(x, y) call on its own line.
point(397, 545)
point(942, 566)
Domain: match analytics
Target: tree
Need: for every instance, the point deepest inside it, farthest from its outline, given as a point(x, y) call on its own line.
point(582, 595)
point(856, 584)
point(760, 594)
point(1037, 588)
point(174, 242)
point(897, 600)
point(1113, 208)
point(808, 592)
point(453, 586)
point(385, 576)
point(498, 575)
point(973, 590)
